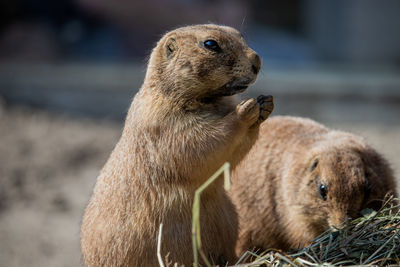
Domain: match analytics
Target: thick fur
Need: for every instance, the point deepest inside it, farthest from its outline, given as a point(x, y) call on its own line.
point(276, 187)
point(181, 127)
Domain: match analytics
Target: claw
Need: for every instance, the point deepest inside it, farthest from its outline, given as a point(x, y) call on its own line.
point(266, 106)
point(263, 98)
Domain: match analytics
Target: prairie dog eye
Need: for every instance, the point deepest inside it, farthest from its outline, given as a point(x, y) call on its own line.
point(212, 45)
point(323, 191)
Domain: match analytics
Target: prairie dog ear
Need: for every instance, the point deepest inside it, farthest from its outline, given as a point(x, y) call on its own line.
point(171, 46)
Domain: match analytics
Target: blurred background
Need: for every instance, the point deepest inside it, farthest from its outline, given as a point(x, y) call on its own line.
point(69, 69)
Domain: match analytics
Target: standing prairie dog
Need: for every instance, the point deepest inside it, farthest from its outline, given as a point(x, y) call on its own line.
point(183, 124)
point(300, 179)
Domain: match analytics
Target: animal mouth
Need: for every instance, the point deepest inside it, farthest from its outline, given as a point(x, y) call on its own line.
point(235, 89)
point(232, 88)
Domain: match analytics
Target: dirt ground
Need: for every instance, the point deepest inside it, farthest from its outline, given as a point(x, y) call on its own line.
point(48, 166)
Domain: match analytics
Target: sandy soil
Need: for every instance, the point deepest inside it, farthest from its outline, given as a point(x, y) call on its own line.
point(48, 166)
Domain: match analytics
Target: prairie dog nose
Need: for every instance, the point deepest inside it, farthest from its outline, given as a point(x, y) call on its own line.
point(255, 62)
point(339, 222)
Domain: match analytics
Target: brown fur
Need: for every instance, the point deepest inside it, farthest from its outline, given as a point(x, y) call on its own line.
point(181, 127)
point(276, 187)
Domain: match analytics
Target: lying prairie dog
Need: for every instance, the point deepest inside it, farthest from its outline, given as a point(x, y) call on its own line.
point(300, 179)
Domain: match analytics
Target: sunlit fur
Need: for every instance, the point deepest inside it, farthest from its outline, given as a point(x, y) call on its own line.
point(179, 130)
point(276, 187)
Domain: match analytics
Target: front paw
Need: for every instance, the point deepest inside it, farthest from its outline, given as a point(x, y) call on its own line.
point(266, 107)
point(248, 111)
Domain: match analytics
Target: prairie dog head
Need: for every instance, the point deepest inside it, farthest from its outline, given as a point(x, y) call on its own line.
point(202, 61)
point(340, 177)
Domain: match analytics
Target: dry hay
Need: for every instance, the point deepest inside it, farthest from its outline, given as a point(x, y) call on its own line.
point(371, 240)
